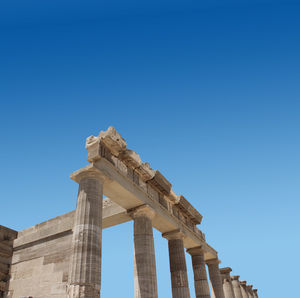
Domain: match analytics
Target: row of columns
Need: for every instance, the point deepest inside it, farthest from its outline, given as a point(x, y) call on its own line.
point(233, 288)
point(85, 265)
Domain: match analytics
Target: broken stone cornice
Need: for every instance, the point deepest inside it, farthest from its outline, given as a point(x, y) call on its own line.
point(189, 210)
point(130, 158)
point(161, 183)
point(145, 171)
point(110, 138)
point(113, 140)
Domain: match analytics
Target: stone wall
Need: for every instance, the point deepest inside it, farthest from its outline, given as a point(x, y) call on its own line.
point(40, 255)
point(6, 250)
point(40, 260)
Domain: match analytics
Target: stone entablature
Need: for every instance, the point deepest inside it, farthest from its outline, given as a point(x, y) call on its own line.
point(111, 146)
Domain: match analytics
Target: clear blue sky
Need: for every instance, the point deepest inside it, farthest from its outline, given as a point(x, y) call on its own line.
point(207, 92)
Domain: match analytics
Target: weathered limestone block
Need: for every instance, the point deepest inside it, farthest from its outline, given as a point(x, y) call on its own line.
point(41, 268)
point(236, 286)
point(227, 285)
point(184, 205)
point(145, 171)
point(130, 158)
point(200, 276)
point(145, 279)
point(179, 278)
point(85, 266)
point(161, 183)
point(113, 140)
point(110, 138)
point(215, 278)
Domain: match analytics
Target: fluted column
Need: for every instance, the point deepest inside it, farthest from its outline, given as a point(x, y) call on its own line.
point(250, 292)
point(255, 293)
point(236, 286)
point(85, 265)
point(145, 280)
point(226, 279)
point(179, 279)
point(215, 278)
point(200, 276)
point(244, 290)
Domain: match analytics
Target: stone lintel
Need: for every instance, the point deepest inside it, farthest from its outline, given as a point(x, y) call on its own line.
point(89, 171)
point(225, 270)
point(235, 277)
point(173, 235)
point(189, 210)
point(141, 211)
point(194, 251)
point(213, 261)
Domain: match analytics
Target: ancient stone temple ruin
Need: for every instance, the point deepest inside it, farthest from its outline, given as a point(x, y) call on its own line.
point(62, 256)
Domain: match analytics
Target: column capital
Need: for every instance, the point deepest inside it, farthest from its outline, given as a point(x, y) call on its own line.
point(255, 291)
point(89, 171)
point(249, 287)
point(225, 270)
point(235, 277)
point(194, 251)
point(215, 261)
point(142, 211)
point(173, 235)
point(243, 282)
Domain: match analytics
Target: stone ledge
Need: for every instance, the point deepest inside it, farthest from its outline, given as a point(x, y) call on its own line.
point(54, 226)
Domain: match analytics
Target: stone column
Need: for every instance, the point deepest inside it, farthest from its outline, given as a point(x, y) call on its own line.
point(250, 292)
point(244, 289)
point(255, 293)
point(236, 286)
point(215, 278)
point(145, 280)
point(85, 264)
point(200, 276)
point(226, 279)
point(179, 279)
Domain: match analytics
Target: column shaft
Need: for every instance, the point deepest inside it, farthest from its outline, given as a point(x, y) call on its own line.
point(249, 290)
point(200, 276)
point(255, 293)
point(179, 278)
point(228, 289)
point(145, 280)
point(227, 285)
point(215, 279)
point(236, 286)
point(244, 289)
point(85, 264)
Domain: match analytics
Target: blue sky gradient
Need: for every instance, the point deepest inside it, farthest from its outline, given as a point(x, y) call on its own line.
point(207, 92)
